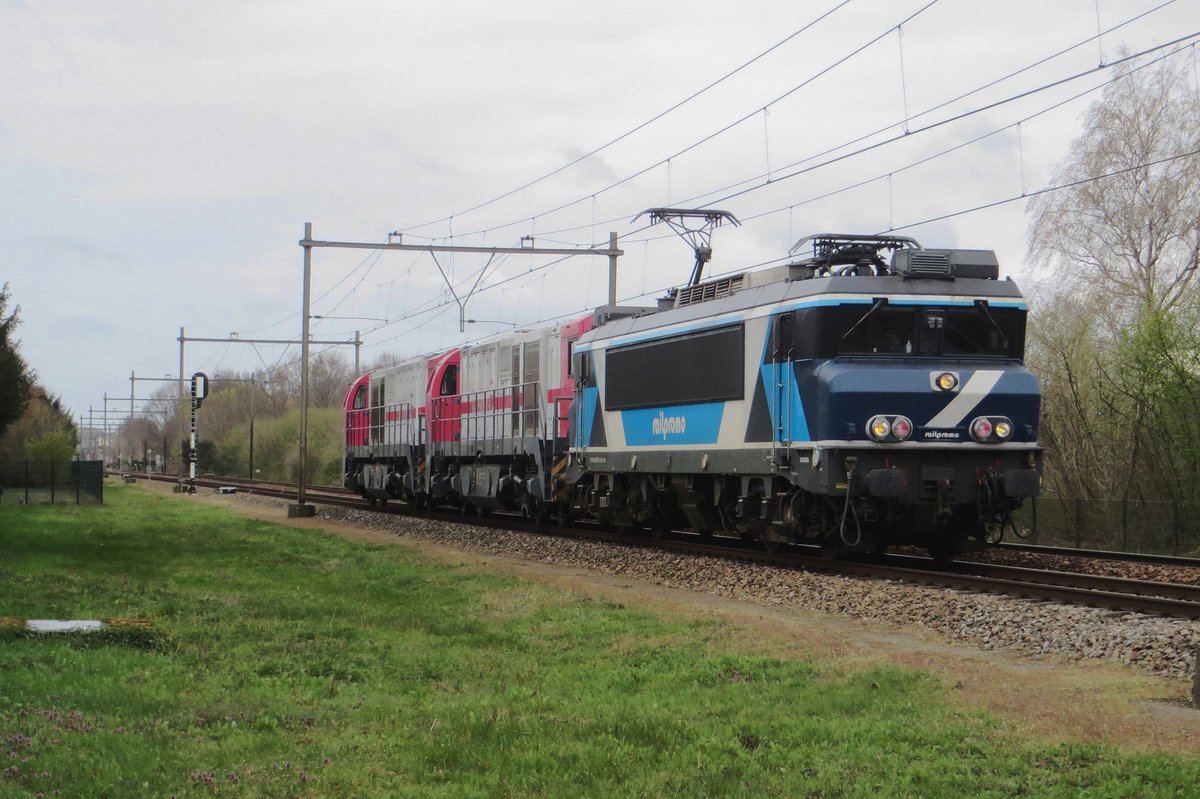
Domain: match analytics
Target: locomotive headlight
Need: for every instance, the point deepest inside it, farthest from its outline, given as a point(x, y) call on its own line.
point(981, 429)
point(901, 427)
point(879, 427)
point(1002, 428)
point(947, 381)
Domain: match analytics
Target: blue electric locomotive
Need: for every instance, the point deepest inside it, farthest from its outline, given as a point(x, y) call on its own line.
point(850, 399)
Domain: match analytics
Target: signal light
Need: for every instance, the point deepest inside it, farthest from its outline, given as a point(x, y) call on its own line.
point(879, 427)
point(991, 429)
point(981, 429)
point(889, 428)
point(947, 381)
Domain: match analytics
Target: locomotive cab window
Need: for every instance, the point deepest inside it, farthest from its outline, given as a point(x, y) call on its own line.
point(967, 331)
point(360, 398)
point(582, 368)
point(449, 384)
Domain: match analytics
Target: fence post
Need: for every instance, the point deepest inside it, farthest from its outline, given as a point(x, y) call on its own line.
point(27, 481)
point(1078, 523)
point(1196, 679)
point(1175, 525)
point(1125, 524)
point(52, 481)
point(78, 478)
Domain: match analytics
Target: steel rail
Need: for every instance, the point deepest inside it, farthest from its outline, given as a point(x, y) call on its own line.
point(1099, 554)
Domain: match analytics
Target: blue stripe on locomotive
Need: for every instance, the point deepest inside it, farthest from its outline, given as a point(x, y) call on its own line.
point(675, 424)
point(583, 435)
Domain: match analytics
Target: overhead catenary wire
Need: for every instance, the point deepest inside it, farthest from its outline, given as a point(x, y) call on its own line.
point(963, 115)
point(638, 127)
point(867, 136)
point(1046, 190)
point(725, 128)
point(956, 147)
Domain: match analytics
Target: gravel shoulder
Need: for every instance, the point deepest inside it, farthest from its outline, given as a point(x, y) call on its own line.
point(1057, 673)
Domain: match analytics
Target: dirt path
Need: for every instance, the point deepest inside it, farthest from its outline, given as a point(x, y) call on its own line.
point(1047, 700)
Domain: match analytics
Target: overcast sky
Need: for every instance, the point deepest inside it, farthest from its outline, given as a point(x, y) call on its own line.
point(158, 160)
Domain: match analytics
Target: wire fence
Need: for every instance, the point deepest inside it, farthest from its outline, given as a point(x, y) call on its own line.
point(51, 482)
point(1151, 527)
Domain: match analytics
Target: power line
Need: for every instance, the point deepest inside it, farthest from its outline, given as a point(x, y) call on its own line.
point(958, 117)
point(937, 107)
point(954, 148)
point(819, 74)
point(835, 148)
point(1047, 190)
point(638, 127)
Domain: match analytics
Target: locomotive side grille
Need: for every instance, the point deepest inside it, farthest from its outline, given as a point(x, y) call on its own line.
point(929, 264)
point(712, 290)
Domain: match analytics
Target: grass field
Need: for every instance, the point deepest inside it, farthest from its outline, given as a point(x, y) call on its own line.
point(278, 662)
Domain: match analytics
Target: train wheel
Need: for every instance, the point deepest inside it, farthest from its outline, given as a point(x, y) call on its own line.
point(771, 545)
point(562, 515)
point(831, 546)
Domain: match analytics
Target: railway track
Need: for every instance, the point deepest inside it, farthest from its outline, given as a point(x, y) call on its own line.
point(1108, 592)
point(1102, 554)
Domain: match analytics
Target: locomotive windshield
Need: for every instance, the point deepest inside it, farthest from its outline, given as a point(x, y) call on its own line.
point(885, 329)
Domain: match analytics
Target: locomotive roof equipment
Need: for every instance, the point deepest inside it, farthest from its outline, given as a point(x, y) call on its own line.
point(700, 238)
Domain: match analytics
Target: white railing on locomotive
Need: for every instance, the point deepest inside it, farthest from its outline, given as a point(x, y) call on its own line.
point(387, 425)
point(491, 415)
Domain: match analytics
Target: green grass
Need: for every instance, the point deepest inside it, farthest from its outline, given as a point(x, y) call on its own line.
point(282, 662)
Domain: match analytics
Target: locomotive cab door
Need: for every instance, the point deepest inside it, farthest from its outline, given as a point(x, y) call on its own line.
point(526, 371)
point(783, 374)
point(376, 412)
point(358, 418)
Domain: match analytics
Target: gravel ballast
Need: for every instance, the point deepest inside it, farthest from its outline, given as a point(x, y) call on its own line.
point(1165, 647)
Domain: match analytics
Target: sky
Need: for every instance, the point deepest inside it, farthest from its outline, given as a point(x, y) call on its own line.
point(159, 160)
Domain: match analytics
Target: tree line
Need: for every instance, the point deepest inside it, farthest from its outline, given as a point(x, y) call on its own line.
point(1114, 331)
point(249, 425)
point(34, 424)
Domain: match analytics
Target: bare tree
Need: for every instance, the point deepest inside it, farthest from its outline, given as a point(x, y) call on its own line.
point(329, 377)
point(1133, 236)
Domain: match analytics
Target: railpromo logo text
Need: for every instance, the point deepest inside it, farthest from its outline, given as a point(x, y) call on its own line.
point(663, 425)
